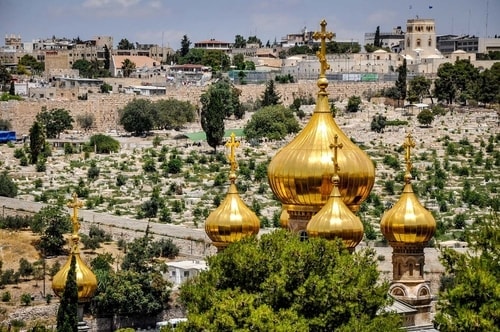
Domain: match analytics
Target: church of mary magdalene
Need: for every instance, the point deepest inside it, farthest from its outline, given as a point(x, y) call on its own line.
point(321, 179)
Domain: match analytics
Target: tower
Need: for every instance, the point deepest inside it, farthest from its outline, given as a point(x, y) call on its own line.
point(232, 220)
point(300, 173)
point(420, 38)
point(86, 280)
point(408, 227)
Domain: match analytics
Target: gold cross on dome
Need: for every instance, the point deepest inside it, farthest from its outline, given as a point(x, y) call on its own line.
point(323, 35)
point(408, 144)
point(232, 144)
point(75, 204)
point(334, 146)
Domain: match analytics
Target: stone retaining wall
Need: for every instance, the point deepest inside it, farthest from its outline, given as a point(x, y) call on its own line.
point(21, 114)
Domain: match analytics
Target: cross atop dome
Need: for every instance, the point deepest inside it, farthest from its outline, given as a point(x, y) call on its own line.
point(323, 35)
point(232, 144)
point(408, 144)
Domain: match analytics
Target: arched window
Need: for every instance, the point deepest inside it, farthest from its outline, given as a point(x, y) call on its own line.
point(430, 42)
point(419, 42)
point(408, 43)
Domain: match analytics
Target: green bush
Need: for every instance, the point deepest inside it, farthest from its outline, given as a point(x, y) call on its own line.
point(6, 296)
point(7, 186)
point(104, 144)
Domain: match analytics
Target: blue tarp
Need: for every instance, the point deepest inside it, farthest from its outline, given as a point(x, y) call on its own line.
point(7, 136)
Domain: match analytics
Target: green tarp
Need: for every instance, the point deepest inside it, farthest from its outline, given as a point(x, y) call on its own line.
point(200, 136)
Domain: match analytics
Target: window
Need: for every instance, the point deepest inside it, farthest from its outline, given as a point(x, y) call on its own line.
point(408, 43)
point(430, 42)
point(186, 274)
point(418, 42)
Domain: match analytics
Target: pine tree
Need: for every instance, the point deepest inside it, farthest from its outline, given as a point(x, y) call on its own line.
point(376, 41)
point(270, 96)
point(12, 90)
point(67, 315)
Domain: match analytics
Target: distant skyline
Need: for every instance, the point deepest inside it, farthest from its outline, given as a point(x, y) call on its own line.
point(165, 22)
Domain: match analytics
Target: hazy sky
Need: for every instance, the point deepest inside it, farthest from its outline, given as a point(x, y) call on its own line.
point(166, 21)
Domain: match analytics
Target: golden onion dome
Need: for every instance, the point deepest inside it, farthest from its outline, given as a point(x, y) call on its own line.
point(86, 280)
point(408, 222)
point(300, 173)
point(232, 220)
point(335, 219)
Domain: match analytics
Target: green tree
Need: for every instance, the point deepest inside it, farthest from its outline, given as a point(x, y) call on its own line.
point(378, 123)
point(67, 314)
point(55, 121)
point(419, 88)
point(444, 87)
point(239, 61)
point(173, 113)
point(376, 41)
point(469, 300)
point(254, 40)
point(107, 58)
point(270, 96)
point(86, 121)
point(30, 61)
point(37, 141)
point(220, 101)
point(401, 81)
point(131, 293)
point(25, 268)
point(353, 104)
point(128, 67)
point(12, 89)
point(136, 116)
point(273, 122)
point(185, 43)
point(216, 59)
point(239, 42)
point(425, 117)
point(124, 44)
point(489, 84)
point(5, 78)
point(8, 188)
point(280, 283)
point(51, 222)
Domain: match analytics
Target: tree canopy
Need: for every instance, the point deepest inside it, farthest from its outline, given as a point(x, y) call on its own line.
point(401, 81)
point(91, 69)
point(128, 67)
point(457, 82)
point(55, 121)
point(124, 44)
point(270, 96)
point(220, 101)
point(52, 223)
point(419, 88)
point(273, 122)
point(280, 283)
point(67, 314)
point(425, 117)
point(470, 296)
point(136, 117)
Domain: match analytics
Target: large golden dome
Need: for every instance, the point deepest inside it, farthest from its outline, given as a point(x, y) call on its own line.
point(232, 220)
point(335, 219)
point(408, 222)
point(300, 173)
point(86, 280)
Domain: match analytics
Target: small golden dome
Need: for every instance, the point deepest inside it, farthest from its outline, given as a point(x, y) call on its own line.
point(232, 220)
point(299, 174)
point(284, 217)
point(335, 219)
point(86, 280)
point(408, 221)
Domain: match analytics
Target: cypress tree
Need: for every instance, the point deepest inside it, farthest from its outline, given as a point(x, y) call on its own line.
point(67, 315)
point(401, 81)
point(270, 96)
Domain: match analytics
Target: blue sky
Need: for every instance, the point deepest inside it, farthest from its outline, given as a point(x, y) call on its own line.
point(166, 21)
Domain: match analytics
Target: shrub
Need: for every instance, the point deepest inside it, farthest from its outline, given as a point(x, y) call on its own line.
point(104, 144)
point(6, 296)
point(26, 299)
point(7, 186)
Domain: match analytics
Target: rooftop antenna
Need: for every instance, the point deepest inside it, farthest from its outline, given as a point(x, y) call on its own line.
point(487, 18)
